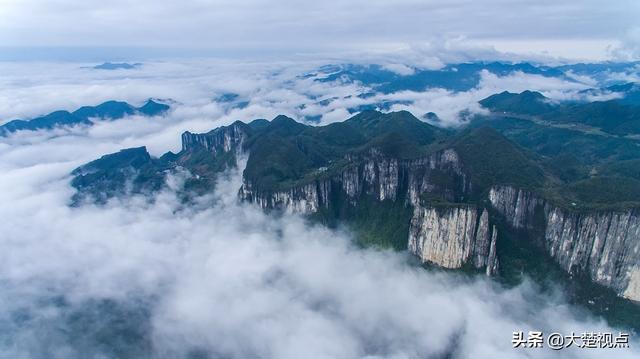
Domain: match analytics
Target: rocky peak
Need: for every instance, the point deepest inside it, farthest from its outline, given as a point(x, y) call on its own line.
point(220, 140)
point(153, 108)
point(449, 196)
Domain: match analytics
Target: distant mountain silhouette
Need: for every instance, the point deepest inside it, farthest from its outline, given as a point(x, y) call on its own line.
point(110, 110)
point(117, 66)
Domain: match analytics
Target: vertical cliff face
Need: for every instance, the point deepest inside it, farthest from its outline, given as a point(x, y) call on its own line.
point(222, 139)
point(364, 171)
point(451, 237)
point(305, 199)
point(373, 175)
point(517, 206)
point(454, 236)
point(605, 245)
point(440, 174)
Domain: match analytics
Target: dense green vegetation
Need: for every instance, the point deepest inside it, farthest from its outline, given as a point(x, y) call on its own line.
point(579, 162)
point(133, 169)
point(618, 117)
point(527, 102)
point(625, 168)
point(587, 150)
point(549, 142)
point(574, 167)
point(611, 116)
point(287, 153)
point(377, 224)
point(491, 159)
point(602, 190)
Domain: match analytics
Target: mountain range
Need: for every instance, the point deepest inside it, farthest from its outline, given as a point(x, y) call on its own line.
point(462, 76)
point(533, 186)
point(117, 66)
point(110, 110)
point(483, 197)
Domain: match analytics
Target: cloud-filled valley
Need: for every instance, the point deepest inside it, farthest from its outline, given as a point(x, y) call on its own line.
point(260, 90)
point(216, 179)
point(223, 279)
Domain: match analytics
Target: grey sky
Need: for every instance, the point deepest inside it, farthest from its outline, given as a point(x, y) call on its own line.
point(581, 29)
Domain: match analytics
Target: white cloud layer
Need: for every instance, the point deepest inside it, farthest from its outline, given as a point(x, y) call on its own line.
point(221, 277)
point(230, 280)
point(268, 88)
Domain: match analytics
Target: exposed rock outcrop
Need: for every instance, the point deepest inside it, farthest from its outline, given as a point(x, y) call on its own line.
point(604, 245)
point(375, 175)
point(440, 206)
point(450, 237)
point(454, 236)
point(222, 139)
point(304, 199)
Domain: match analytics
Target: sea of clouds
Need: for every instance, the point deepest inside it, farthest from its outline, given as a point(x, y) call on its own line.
point(219, 278)
point(267, 89)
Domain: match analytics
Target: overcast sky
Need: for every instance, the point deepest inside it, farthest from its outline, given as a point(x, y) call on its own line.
point(223, 277)
point(571, 29)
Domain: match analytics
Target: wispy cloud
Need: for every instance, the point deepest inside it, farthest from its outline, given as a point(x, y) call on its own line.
point(265, 89)
point(228, 280)
point(222, 277)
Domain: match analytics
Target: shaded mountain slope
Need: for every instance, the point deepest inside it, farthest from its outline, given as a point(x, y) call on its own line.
point(110, 110)
point(471, 199)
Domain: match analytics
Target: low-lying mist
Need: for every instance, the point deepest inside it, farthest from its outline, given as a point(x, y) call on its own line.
point(221, 279)
point(217, 278)
point(196, 90)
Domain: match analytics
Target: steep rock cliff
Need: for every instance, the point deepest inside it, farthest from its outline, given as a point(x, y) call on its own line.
point(222, 139)
point(604, 245)
point(454, 236)
point(451, 237)
point(372, 174)
point(397, 177)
